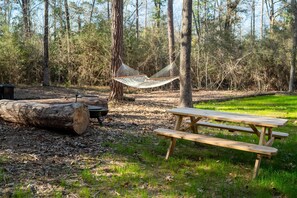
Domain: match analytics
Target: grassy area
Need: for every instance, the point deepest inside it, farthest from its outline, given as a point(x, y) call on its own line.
point(135, 167)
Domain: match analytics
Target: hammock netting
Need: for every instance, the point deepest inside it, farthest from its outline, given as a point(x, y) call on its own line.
point(134, 78)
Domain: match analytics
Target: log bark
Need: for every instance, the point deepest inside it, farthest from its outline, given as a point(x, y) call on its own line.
point(72, 117)
point(93, 101)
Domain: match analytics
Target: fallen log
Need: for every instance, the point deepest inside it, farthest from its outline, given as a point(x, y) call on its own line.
point(70, 116)
point(94, 101)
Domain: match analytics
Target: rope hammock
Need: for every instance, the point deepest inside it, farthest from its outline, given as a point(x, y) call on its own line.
point(133, 78)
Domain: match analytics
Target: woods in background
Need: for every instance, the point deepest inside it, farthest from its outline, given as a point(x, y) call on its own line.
point(236, 44)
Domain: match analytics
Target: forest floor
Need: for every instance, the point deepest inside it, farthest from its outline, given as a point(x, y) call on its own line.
point(38, 159)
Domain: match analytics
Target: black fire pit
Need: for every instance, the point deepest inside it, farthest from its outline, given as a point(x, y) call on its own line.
point(98, 112)
point(6, 91)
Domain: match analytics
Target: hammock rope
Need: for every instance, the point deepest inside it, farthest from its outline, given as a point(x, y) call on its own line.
point(133, 78)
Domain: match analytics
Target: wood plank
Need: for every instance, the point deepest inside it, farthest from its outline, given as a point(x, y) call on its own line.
point(237, 128)
point(230, 117)
point(243, 146)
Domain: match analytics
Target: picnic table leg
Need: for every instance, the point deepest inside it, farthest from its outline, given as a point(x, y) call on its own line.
point(257, 166)
point(262, 141)
point(173, 140)
point(193, 125)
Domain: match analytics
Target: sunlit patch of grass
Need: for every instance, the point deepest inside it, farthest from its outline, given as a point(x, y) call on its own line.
point(58, 194)
point(85, 192)
point(284, 106)
point(88, 177)
point(274, 177)
point(20, 192)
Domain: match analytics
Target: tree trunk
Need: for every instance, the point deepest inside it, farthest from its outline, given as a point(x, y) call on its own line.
point(117, 48)
point(171, 43)
point(137, 20)
point(68, 30)
point(26, 19)
point(72, 117)
point(253, 20)
point(108, 10)
point(185, 55)
point(157, 12)
point(262, 19)
point(92, 10)
point(271, 14)
point(46, 73)
point(54, 19)
point(145, 18)
point(294, 47)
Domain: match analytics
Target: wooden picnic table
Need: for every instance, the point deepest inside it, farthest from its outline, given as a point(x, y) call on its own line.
point(253, 121)
point(266, 124)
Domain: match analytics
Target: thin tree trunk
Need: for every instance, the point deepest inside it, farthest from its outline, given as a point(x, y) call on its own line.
point(158, 12)
point(270, 11)
point(145, 19)
point(137, 19)
point(196, 25)
point(294, 47)
point(46, 73)
point(79, 23)
point(7, 12)
point(70, 71)
point(108, 10)
point(92, 10)
point(262, 19)
point(54, 19)
point(117, 48)
point(171, 42)
point(253, 19)
point(26, 20)
point(68, 30)
point(185, 56)
point(62, 25)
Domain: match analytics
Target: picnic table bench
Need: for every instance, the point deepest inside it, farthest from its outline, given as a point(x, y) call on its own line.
point(196, 115)
point(231, 128)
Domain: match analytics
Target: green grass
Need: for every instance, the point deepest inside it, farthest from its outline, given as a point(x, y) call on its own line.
point(135, 166)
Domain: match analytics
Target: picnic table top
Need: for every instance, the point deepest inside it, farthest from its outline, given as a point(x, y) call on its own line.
point(230, 117)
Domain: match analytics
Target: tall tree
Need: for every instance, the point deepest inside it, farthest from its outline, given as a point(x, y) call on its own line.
point(46, 74)
point(67, 18)
point(185, 55)
point(157, 15)
point(294, 47)
point(253, 20)
point(108, 10)
point(271, 13)
point(137, 19)
point(25, 5)
point(171, 41)
point(231, 7)
point(92, 10)
point(117, 48)
point(262, 19)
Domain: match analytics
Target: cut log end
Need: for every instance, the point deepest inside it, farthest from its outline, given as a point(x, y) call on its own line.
point(81, 119)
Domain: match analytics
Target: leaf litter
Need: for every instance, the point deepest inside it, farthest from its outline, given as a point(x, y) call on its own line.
point(40, 159)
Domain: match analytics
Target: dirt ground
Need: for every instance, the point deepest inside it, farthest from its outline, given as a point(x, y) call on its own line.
point(37, 157)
